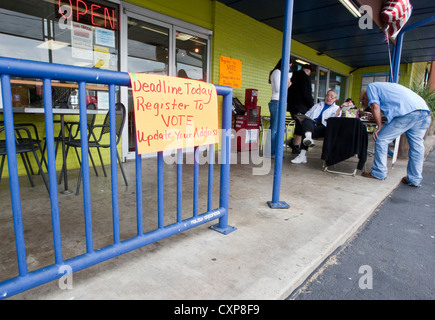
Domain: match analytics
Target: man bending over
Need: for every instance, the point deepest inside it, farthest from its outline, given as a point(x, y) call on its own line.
point(406, 112)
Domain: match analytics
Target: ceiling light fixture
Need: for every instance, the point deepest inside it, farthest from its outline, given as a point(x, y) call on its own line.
point(351, 7)
point(301, 61)
point(183, 36)
point(52, 45)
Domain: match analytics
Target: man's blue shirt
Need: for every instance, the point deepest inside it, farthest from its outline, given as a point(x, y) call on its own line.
point(394, 99)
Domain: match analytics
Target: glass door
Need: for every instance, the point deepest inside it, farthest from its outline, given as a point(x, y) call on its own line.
point(322, 84)
point(148, 52)
point(158, 44)
point(337, 82)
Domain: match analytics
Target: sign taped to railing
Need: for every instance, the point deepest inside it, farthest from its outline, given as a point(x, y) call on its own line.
point(173, 113)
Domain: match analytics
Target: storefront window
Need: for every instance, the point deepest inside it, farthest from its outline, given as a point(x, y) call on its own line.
point(79, 33)
point(148, 47)
point(368, 78)
point(191, 56)
point(148, 52)
point(337, 83)
point(322, 80)
point(322, 84)
point(21, 32)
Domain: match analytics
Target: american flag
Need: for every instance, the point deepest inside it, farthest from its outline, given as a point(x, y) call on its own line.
point(395, 14)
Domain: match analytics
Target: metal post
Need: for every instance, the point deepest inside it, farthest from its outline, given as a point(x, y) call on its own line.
point(139, 203)
point(399, 44)
point(179, 184)
point(13, 175)
point(113, 163)
point(275, 203)
point(160, 189)
point(51, 157)
point(85, 167)
point(397, 56)
point(195, 180)
point(210, 177)
point(224, 195)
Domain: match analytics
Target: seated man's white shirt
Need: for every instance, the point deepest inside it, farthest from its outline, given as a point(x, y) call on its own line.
point(314, 112)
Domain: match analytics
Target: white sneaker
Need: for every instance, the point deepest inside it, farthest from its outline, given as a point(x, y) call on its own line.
point(308, 142)
point(299, 159)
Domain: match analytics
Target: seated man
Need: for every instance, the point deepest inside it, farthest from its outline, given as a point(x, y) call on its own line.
point(312, 125)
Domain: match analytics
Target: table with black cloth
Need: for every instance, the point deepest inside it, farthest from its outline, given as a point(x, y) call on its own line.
point(345, 138)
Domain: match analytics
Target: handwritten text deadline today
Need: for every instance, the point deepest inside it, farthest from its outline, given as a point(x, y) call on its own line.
point(164, 87)
point(177, 104)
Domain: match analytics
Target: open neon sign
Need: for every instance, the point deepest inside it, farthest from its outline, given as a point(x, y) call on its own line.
point(88, 12)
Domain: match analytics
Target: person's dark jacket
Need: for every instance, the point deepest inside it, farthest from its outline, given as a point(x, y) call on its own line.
point(299, 99)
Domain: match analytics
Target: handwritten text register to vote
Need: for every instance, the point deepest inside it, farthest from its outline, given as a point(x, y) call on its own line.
point(173, 113)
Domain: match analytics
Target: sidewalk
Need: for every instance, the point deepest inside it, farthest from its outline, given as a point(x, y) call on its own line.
point(269, 255)
point(392, 256)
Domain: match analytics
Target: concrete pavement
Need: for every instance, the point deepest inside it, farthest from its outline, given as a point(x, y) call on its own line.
point(270, 254)
point(391, 258)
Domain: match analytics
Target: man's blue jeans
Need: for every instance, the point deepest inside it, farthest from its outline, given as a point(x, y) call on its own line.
point(414, 125)
point(273, 124)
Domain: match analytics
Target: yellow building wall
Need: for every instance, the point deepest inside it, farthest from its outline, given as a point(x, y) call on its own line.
point(198, 12)
point(418, 73)
point(256, 45)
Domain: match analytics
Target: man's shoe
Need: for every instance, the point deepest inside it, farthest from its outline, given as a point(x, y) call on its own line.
point(299, 159)
point(308, 142)
point(405, 181)
point(368, 175)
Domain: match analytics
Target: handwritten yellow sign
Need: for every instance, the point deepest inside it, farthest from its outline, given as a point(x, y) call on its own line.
point(230, 72)
point(173, 113)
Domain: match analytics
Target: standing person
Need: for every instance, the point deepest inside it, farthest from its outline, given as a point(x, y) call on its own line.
point(299, 100)
point(312, 125)
point(275, 80)
point(406, 112)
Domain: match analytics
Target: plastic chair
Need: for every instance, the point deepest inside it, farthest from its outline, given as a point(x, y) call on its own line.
point(72, 136)
point(98, 136)
point(24, 144)
point(60, 100)
point(35, 140)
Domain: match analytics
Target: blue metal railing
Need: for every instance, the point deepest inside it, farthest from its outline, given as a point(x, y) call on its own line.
point(397, 53)
point(275, 203)
point(48, 72)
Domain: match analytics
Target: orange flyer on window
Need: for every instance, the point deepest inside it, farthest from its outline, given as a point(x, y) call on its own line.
point(173, 113)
